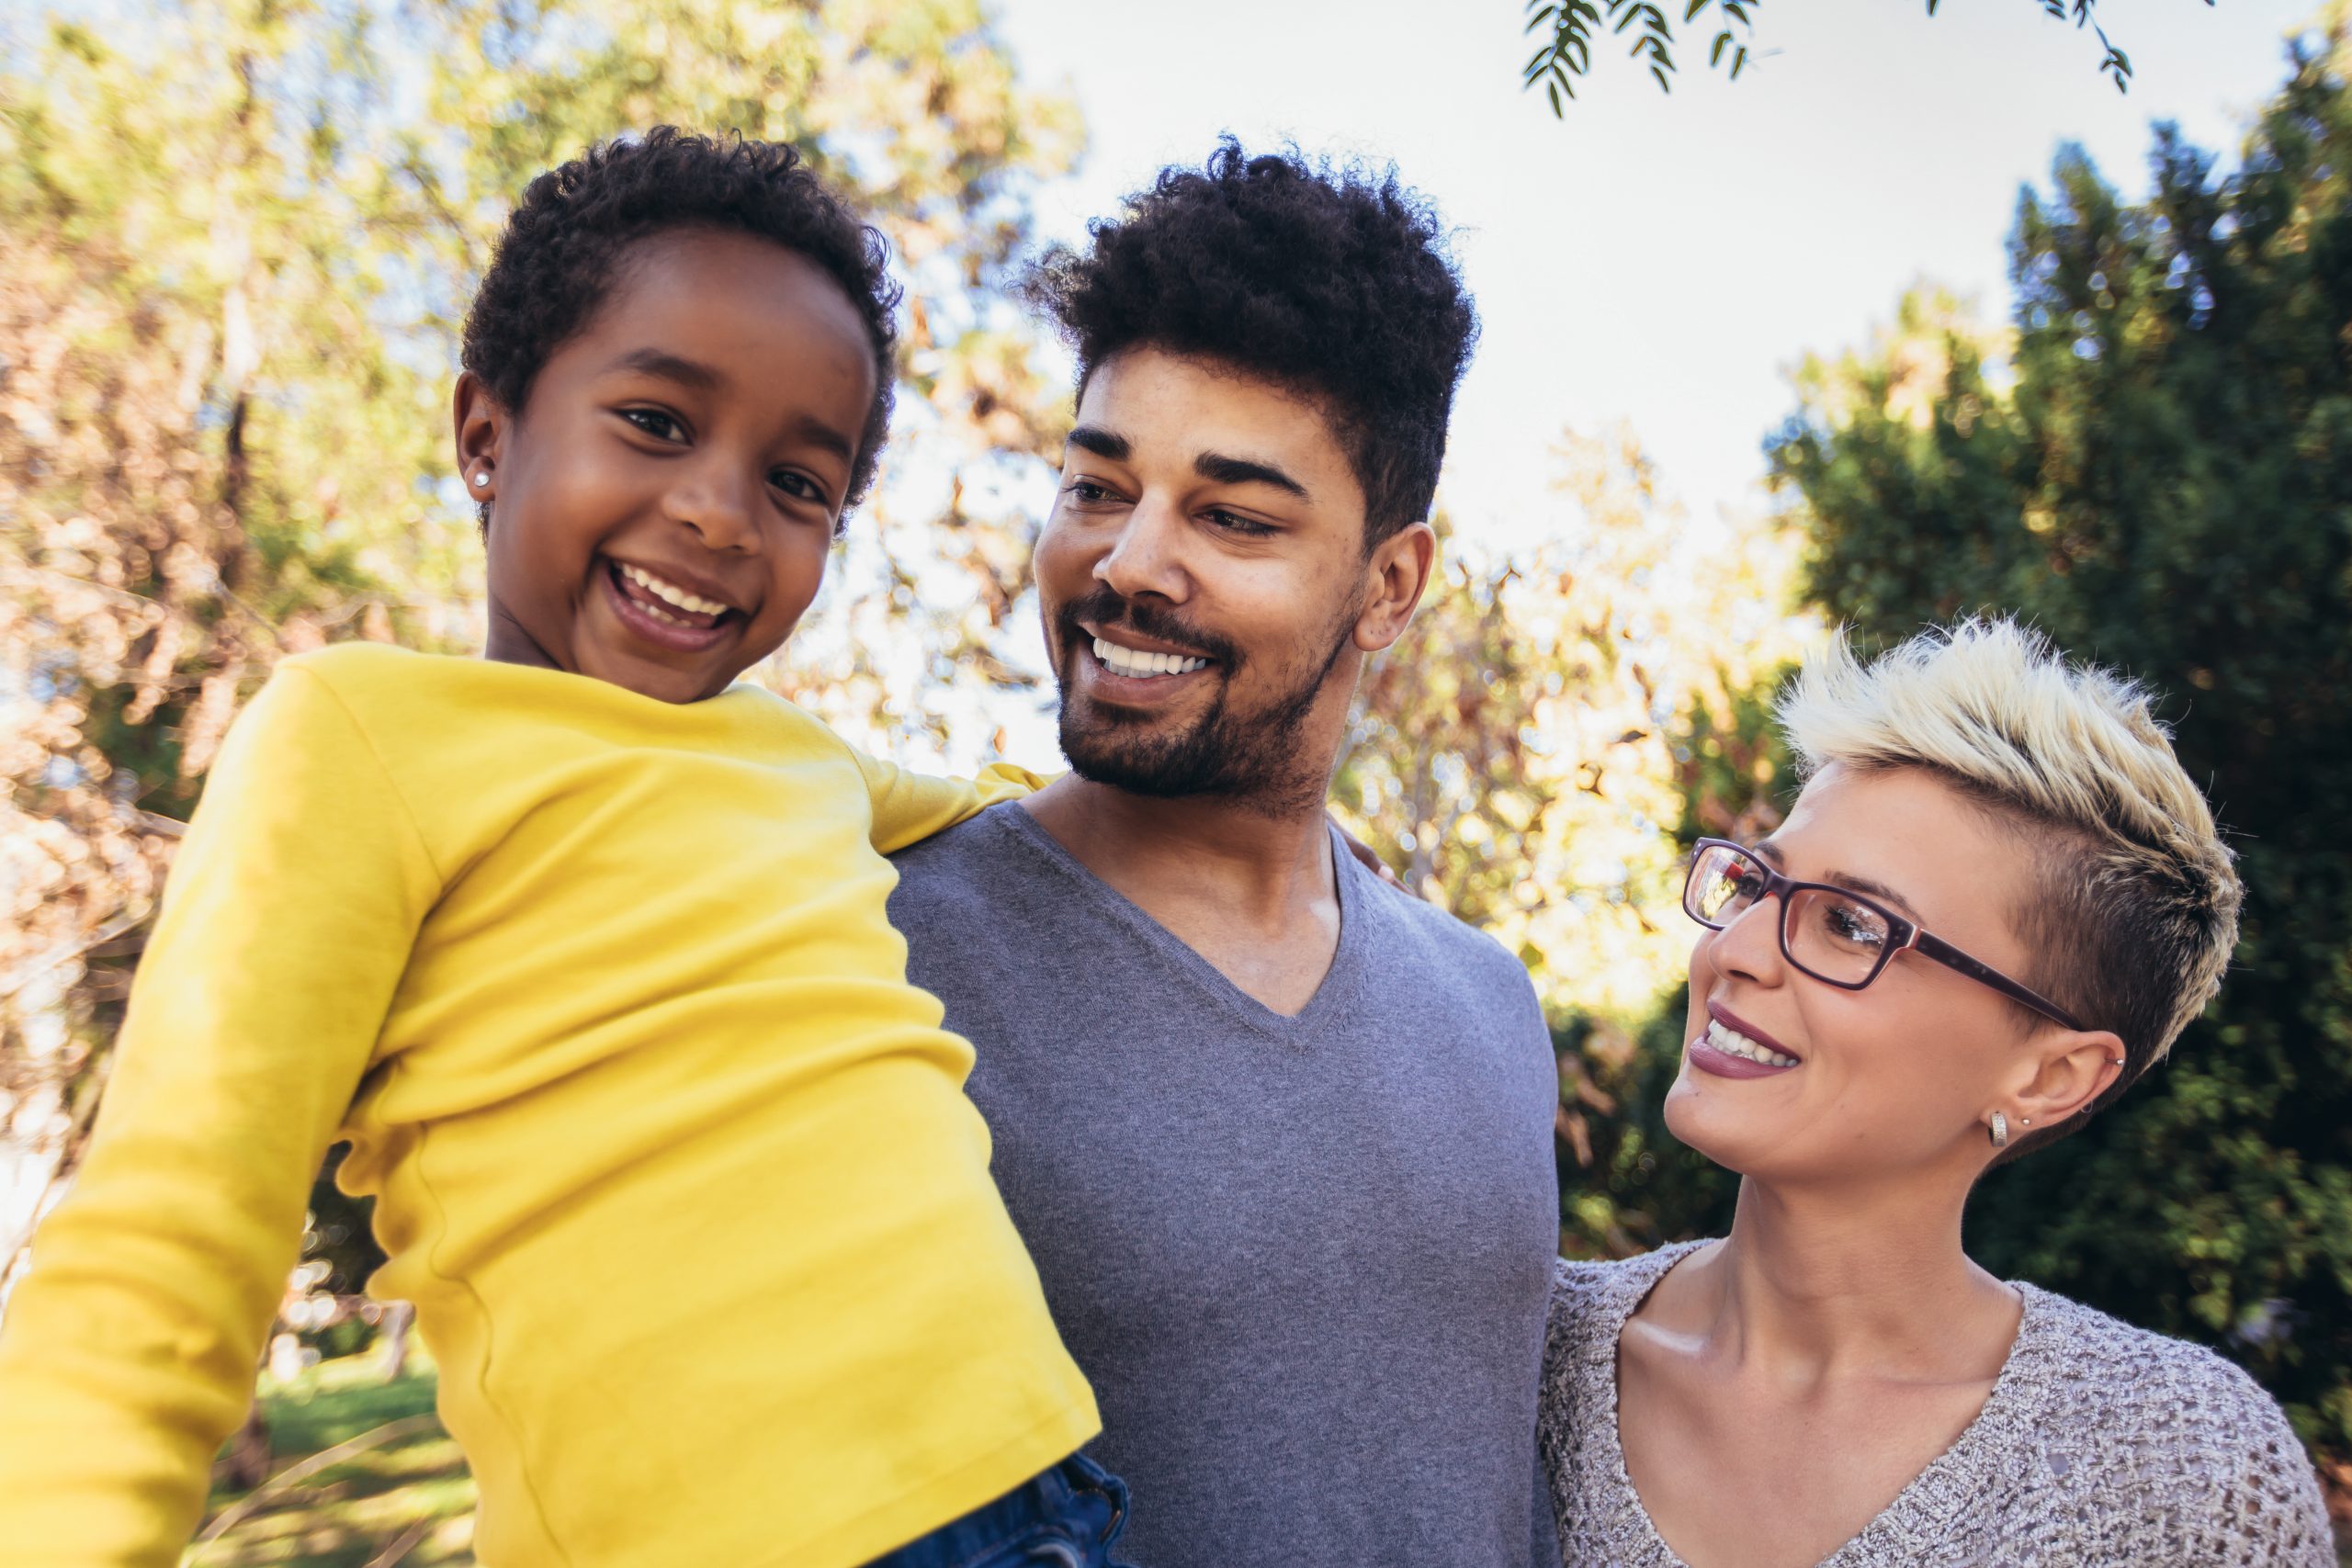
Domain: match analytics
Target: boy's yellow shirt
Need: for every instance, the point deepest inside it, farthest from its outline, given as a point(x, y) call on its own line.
point(674, 1161)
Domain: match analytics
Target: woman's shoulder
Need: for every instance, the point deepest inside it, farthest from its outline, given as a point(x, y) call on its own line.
point(1610, 1279)
point(2103, 1361)
point(1576, 1404)
point(1591, 1298)
point(2182, 1430)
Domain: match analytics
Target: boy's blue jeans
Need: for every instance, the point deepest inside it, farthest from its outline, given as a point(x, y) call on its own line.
point(1066, 1518)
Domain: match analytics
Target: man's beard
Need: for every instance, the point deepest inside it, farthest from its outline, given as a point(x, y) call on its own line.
point(1253, 758)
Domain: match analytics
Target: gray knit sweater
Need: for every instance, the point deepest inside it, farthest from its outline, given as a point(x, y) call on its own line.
point(2100, 1444)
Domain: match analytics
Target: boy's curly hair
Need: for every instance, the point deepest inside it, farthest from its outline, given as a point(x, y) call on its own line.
point(563, 246)
point(1330, 281)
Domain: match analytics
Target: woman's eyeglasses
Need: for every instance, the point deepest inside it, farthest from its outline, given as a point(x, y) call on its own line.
point(1838, 937)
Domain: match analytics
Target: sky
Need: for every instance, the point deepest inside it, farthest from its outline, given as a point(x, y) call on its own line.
point(1664, 260)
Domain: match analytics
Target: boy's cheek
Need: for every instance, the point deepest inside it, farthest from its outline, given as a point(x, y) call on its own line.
point(790, 598)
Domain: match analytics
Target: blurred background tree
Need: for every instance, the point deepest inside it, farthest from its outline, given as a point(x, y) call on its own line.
point(241, 240)
point(1532, 753)
point(2155, 465)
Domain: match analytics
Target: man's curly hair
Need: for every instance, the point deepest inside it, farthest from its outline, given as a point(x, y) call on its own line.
point(563, 248)
point(1332, 282)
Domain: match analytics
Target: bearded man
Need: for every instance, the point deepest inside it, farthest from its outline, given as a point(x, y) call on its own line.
point(1278, 1137)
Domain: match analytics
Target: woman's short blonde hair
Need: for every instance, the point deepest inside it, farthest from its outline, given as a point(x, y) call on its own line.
point(2137, 910)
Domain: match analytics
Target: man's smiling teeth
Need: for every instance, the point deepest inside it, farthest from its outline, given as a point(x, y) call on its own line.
point(1132, 661)
point(694, 604)
point(1735, 1045)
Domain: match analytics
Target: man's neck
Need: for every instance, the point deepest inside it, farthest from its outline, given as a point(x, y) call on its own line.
point(1253, 893)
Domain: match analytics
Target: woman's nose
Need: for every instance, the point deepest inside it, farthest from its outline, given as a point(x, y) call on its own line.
point(1750, 944)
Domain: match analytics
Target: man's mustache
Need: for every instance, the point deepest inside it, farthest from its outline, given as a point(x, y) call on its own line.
point(1107, 608)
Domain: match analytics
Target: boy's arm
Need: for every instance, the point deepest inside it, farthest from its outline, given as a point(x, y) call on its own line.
point(910, 806)
point(128, 1350)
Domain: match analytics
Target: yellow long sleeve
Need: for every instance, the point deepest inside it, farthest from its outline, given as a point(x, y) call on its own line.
point(129, 1349)
point(673, 1162)
point(910, 807)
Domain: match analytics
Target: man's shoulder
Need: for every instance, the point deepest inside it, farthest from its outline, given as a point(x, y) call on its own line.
point(1441, 938)
point(969, 864)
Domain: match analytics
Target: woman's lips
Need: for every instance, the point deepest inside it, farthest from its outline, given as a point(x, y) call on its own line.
point(1723, 1065)
point(1728, 1046)
point(1738, 1025)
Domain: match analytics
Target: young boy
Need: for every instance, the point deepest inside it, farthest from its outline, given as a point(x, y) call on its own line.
point(584, 950)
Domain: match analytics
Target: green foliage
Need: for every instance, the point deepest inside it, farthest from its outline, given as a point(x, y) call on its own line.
point(1566, 54)
point(400, 1491)
point(1644, 1187)
point(1652, 1187)
point(1537, 750)
point(2159, 473)
point(1571, 27)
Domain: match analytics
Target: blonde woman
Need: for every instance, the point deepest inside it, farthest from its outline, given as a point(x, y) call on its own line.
point(1997, 901)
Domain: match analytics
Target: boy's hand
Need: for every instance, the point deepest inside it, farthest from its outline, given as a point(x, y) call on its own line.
point(1371, 862)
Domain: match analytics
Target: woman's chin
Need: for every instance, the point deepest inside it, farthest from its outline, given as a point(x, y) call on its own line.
point(1713, 1131)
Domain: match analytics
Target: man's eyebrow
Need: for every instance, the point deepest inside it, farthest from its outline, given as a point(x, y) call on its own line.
point(1771, 852)
point(670, 368)
point(1101, 442)
point(1218, 469)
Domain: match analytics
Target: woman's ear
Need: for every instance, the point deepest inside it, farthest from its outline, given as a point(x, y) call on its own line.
point(1396, 575)
point(2074, 1068)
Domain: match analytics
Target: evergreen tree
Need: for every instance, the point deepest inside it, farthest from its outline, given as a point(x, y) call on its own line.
point(2156, 466)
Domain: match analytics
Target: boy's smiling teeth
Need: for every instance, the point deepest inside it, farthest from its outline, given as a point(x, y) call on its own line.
point(1732, 1044)
point(1134, 661)
point(692, 604)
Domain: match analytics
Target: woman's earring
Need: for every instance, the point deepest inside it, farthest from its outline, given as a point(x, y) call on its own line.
point(480, 480)
point(2000, 1131)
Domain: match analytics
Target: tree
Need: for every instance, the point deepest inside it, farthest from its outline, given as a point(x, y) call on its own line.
point(1534, 753)
point(2155, 466)
point(211, 453)
point(240, 244)
point(1570, 29)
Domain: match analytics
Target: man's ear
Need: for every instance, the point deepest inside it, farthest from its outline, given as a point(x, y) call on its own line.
point(1394, 576)
point(2073, 1067)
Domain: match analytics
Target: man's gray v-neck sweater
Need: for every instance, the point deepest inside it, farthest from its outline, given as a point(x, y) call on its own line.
point(1304, 1260)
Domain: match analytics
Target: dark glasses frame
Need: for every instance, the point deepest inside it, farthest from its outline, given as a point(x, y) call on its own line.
point(1909, 936)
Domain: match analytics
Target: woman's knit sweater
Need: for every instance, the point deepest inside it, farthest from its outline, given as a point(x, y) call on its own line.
point(2100, 1444)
